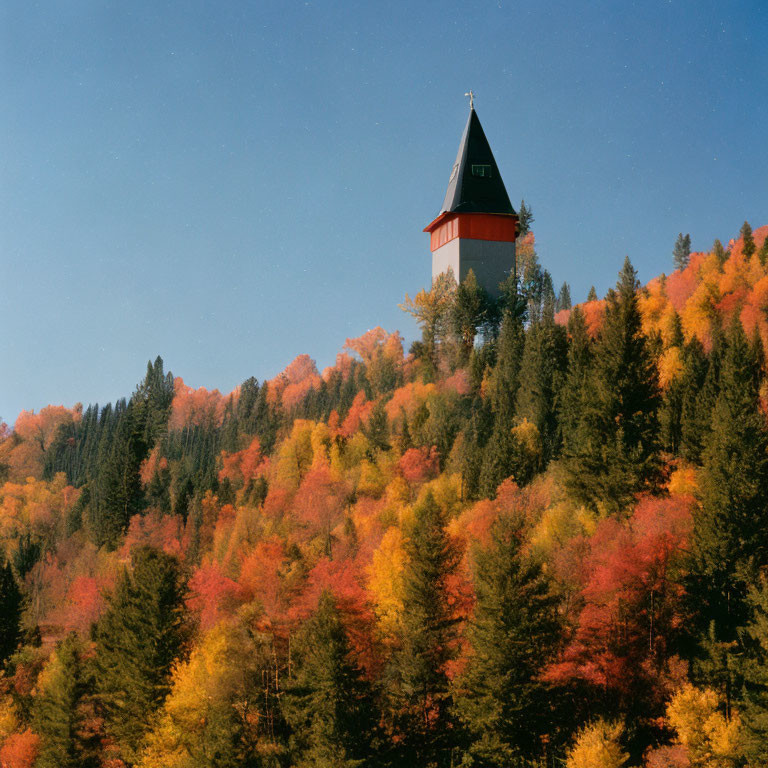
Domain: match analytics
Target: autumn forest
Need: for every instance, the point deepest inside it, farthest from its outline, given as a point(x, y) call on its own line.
point(538, 537)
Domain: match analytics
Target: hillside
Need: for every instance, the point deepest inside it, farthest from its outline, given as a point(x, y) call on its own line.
point(538, 536)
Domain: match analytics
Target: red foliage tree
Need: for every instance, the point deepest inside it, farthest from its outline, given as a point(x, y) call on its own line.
point(20, 750)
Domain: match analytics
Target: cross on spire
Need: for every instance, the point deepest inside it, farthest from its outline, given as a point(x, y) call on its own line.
point(471, 95)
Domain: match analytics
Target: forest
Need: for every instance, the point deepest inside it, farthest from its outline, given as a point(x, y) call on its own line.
point(538, 537)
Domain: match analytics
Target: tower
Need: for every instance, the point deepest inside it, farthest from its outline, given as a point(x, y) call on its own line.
point(477, 225)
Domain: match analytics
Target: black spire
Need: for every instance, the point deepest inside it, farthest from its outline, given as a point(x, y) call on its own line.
point(476, 185)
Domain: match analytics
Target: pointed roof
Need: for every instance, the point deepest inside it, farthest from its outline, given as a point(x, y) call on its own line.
point(475, 185)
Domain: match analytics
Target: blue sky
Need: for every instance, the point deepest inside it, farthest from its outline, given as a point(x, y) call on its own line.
point(231, 184)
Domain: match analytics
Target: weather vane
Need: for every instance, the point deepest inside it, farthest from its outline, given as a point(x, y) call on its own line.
point(471, 95)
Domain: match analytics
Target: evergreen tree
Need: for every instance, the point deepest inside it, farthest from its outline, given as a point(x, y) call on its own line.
point(762, 254)
point(671, 410)
point(613, 453)
point(682, 251)
point(525, 218)
point(544, 362)
point(699, 384)
point(11, 604)
point(63, 712)
point(138, 639)
point(377, 430)
point(469, 312)
point(729, 543)
point(328, 701)
point(754, 664)
point(513, 633)
point(748, 242)
point(563, 298)
point(575, 384)
point(720, 252)
point(592, 295)
point(420, 690)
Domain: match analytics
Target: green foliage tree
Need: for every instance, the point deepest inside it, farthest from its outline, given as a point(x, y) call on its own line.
point(729, 543)
point(753, 702)
point(698, 391)
point(578, 367)
point(469, 313)
point(420, 693)
point(592, 295)
point(63, 712)
point(762, 254)
point(11, 605)
point(139, 637)
point(681, 253)
point(748, 245)
point(513, 633)
point(614, 451)
point(563, 298)
point(328, 702)
point(525, 217)
point(720, 252)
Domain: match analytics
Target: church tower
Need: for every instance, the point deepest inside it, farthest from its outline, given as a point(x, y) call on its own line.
point(477, 225)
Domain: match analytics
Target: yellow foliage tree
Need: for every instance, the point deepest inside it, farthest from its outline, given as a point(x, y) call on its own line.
point(598, 746)
point(710, 739)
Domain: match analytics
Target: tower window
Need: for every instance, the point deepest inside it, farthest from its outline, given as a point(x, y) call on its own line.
point(482, 170)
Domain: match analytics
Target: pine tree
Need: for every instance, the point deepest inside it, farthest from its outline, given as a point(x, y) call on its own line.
point(613, 453)
point(63, 711)
point(762, 254)
point(563, 298)
point(420, 691)
point(525, 217)
point(748, 242)
point(513, 633)
point(328, 702)
point(544, 362)
point(720, 252)
point(468, 313)
point(11, 604)
point(377, 430)
point(138, 639)
point(699, 383)
point(671, 410)
point(729, 543)
point(575, 384)
point(592, 295)
point(753, 703)
point(682, 251)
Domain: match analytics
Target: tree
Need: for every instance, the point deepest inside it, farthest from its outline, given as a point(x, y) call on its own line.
point(592, 295)
point(525, 217)
point(513, 633)
point(563, 298)
point(578, 367)
point(613, 453)
point(11, 604)
point(431, 310)
point(729, 542)
point(754, 696)
point(748, 242)
point(598, 746)
point(63, 712)
point(420, 691)
point(682, 251)
point(720, 252)
point(468, 313)
point(328, 701)
point(762, 254)
point(138, 639)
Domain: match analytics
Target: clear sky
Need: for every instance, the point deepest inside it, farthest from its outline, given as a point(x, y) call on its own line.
point(230, 184)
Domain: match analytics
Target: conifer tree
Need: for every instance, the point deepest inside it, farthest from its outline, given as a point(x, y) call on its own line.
point(682, 251)
point(63, 712)
point(613, 453)
point(575, 384)
point(748, 244)
point(671, 410)
point(592, 295)
point(698, 385)
point(139, 637)
point(513, 633)
point(328, 702)
point(754, 666)
point(720, 252)
point(729, 543)
point(563, 298)
point(525, 218)
point(377, 430)
point(420, 691)
point(468, 313)
point(762, 254)
point(11, 604)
